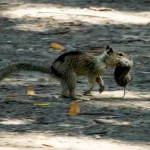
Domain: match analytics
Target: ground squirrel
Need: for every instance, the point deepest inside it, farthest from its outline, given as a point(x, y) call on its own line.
point(69, 65)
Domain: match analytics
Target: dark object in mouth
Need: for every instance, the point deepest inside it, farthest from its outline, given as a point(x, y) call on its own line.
point(122, 75)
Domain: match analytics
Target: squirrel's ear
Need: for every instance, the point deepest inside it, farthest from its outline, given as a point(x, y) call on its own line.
point(109, 49)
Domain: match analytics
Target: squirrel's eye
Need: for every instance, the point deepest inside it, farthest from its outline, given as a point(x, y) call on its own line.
point(120, 54)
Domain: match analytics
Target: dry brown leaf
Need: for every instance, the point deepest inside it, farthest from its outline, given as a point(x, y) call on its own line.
point(42, 104)
point(101, 9)
point(49, 145)
point(57, 46)
point(97, 50)
point(75, 109)
point(126, 123)
point(31, 91)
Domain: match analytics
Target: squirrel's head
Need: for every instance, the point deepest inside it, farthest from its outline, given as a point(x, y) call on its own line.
point(116, 58)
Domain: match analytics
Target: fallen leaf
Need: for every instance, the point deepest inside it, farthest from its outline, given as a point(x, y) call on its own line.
point(57, 46)
point(75, 109)
point(97, 50)
point(49, 145)
point(101, 9)
point(31, 91)
point(126, 123)
point(42, 104)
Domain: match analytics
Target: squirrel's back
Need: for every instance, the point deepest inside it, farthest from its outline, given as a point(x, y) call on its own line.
point(80, 63)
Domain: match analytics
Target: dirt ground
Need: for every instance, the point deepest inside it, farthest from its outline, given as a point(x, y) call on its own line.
point(27, 28)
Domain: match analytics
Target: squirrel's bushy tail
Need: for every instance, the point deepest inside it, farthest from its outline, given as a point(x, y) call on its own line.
point(7, 70)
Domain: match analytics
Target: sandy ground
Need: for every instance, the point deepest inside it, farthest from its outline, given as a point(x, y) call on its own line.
point(27, 28)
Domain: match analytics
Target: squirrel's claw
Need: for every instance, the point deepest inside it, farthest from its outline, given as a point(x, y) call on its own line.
point(101, 89)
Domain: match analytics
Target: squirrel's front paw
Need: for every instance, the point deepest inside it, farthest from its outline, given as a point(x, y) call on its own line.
point(101, 89)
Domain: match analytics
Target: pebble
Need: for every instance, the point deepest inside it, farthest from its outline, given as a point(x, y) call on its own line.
point(20, 50)
point(97, 137)
point(9, 41)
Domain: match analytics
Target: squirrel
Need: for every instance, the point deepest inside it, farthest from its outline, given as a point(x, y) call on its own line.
point(71, 64)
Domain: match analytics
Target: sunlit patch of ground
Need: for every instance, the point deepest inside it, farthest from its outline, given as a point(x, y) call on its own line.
point(71, 13)
point(37, 141)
